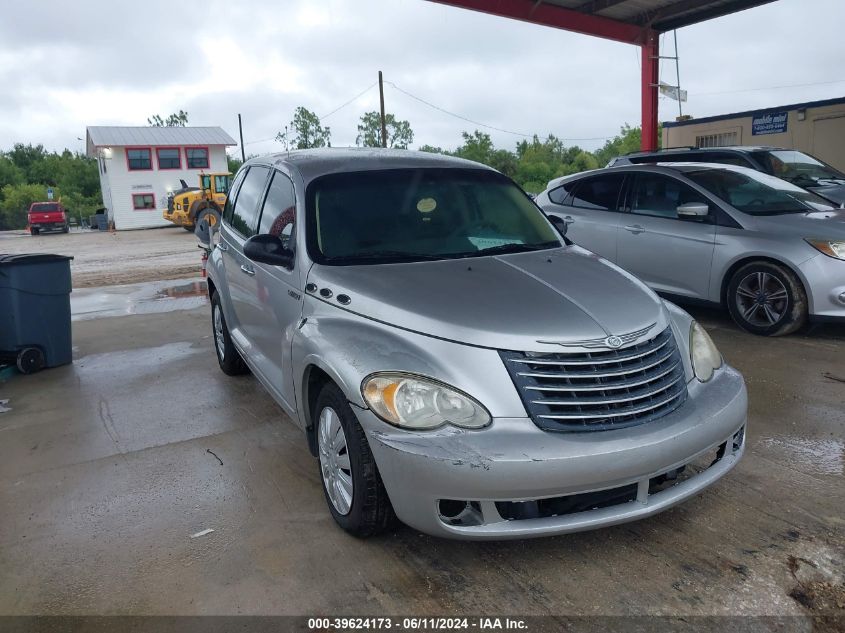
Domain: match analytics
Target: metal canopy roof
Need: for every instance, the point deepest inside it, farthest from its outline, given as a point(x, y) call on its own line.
point(621, 20)
point(659, 15)
point(115, 136)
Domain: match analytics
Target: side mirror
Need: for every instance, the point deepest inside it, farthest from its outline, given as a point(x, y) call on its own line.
point(559, 223)
point(693, 210)
point(268, 249)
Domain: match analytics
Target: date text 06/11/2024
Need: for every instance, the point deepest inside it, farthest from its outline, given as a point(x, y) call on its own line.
point(416, 624)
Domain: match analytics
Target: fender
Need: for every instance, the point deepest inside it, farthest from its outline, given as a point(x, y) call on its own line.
point(349, 347)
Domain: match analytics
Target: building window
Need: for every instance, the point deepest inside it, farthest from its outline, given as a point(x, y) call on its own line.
point(197, 157)
point(143, 201)
point(724, 139)
point(169, 158)
point(139, 158)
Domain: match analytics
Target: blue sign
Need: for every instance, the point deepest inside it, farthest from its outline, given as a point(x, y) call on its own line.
point(771, 123)
point(49, 193)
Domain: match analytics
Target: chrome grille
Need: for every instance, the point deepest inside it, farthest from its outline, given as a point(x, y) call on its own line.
point(602, 390)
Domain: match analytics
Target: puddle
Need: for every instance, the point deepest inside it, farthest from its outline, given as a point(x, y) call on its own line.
point(147, 298)
point(825, 457)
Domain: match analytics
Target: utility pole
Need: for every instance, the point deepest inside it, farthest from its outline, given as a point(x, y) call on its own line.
point(381, 100)
point(678, 74)
point(241, 132)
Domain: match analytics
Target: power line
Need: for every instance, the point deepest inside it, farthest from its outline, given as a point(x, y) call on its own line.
point(325, 116)
point(728, 92)
point(491, 127)
point(340, 107)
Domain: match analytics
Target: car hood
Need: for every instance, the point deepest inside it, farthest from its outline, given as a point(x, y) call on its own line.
point(532, 301)
point(832, 190)
point(821, 224)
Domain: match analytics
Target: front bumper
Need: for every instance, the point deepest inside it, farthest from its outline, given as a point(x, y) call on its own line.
point(515, 461)
point(178, 217)
point(825, 279)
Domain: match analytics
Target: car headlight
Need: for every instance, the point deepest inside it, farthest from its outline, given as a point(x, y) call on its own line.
point(415, 402)
point(835, 248)
point(703, 352)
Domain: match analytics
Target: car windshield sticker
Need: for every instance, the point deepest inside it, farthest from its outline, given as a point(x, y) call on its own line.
point(491, 242)
point(426, 205)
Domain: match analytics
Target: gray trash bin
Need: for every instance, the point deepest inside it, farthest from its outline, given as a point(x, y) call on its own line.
point(35, 329)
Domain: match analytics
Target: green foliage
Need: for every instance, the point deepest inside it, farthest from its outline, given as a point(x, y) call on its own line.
point(234, 164)
point(305, 131)
point(177, 119)
point(26, 171)
point(399, 133)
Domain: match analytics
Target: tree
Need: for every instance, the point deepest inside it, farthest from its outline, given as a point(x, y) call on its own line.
point(399, 133)
point(305, 131)
point(178, 119)
point(15, 201)
point(431, 149)
point(477, 146)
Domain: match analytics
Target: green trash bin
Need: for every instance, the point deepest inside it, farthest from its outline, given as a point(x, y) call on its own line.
point(35, 330)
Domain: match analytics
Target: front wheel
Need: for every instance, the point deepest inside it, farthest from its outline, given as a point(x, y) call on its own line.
point(767, 299)
point(227, 356)
point(34, 231)
point(351, 482)
point(211, 216)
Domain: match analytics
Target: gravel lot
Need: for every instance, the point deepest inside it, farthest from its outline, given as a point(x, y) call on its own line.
point(104, 259)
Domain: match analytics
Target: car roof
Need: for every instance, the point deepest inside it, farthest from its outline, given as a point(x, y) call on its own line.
point(660, 168)
point(312, 163)
point(727, 148)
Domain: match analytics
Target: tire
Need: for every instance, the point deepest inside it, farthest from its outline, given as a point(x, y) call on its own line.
point(228, 357)
point(189, 229)
point(66, 229)
point(767, 299)
point(362, 508)
point(34, 231)
point(212, 215)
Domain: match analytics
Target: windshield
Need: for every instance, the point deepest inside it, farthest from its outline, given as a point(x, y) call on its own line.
point(757, 193)
point(403, 215)
point(221, 184)
point(797, 167)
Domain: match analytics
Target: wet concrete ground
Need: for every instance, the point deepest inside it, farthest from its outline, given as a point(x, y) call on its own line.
point(105, 474)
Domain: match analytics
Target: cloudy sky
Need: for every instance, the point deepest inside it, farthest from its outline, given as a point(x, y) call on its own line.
point(65, 65)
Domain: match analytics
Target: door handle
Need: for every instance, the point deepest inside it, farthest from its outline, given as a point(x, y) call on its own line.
point(246, 269)
point(634, 228)
point(223, 247)
point(569, 219)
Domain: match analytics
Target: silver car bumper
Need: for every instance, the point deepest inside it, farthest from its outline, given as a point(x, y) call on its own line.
point(825, 282)
point(514, 461)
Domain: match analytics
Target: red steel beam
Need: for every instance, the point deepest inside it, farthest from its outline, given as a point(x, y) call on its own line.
point(555, 16)
point(650, 76)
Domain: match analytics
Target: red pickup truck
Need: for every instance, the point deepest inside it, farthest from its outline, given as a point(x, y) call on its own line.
point(47, 216)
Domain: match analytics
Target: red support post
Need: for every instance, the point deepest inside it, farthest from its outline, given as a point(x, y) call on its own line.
point(650, 77)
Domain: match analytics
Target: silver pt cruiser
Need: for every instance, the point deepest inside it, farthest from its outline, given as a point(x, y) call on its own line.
point(452, 359)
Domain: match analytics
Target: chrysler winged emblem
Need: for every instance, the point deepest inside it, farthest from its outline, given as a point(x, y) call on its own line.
point(613, 342)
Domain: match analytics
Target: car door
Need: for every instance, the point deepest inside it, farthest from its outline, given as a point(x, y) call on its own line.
point(239, 224)
point(590, 207)
point(671, 254)
point(279, 293)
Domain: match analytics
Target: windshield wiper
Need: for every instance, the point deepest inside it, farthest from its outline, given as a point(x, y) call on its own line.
point(377, 255)
point(509, 248)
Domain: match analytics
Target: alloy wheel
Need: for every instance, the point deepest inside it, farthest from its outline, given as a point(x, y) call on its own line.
point(334, 461)
point(219, 340)
point(762, 299)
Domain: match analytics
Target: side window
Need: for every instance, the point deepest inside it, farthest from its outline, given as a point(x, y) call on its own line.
point(279, 214)
point(600, 193)
point(245, 213)
point(233, 192)
point(659, 195)
point(559, 195)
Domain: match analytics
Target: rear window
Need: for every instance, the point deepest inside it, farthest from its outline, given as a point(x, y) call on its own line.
point(45, 207)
